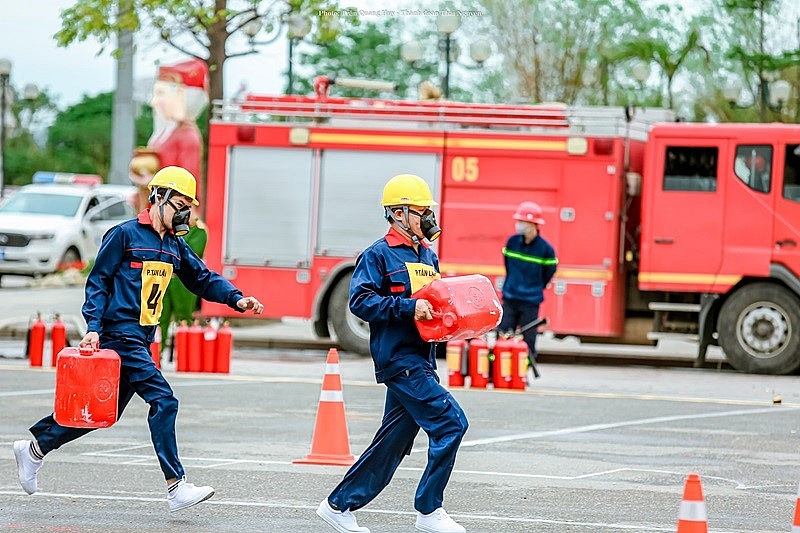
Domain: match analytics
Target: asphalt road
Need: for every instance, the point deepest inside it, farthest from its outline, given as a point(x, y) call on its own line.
point(586, 448)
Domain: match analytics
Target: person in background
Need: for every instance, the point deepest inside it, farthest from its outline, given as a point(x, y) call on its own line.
point(179, 302)
point(124, 299)
point(387, 275)
point(530, 263)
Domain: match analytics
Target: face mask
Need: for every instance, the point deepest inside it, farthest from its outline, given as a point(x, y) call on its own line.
point(521, 227)
point(427, 223)
point(180, 220)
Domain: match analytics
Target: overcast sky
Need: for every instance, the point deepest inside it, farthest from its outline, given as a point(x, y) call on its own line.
point(26, 38)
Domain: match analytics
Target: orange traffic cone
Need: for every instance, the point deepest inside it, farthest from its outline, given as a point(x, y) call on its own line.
point(796, 521)
point(692, 517)
point(330, 444)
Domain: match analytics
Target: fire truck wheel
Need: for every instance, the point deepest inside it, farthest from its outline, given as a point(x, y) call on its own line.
point(352, 333)
point(759, 329)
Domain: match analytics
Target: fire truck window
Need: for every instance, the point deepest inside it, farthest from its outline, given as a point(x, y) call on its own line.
point(753, 165)
point(690, 169)
point(791, 173)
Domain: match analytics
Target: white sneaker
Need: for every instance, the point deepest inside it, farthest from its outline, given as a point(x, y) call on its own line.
point(27, 465)
point(438, 522)
point(341, 521)
point(186, 494)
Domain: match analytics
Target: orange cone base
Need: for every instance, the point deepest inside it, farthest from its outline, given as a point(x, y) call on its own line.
point(325, 459)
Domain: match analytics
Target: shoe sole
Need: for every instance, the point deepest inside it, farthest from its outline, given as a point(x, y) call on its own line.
point(332, 523)
point(18, 459)
point(187, 505)
point(427, 529)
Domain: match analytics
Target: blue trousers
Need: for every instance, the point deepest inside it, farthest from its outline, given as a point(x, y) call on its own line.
point(414, 399)
point(134, 379)
point(517, 313)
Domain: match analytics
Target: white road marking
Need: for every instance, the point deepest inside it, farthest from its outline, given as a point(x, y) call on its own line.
point(594, 526)
point(613, 425)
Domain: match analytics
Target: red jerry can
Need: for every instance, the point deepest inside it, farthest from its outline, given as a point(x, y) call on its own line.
point(155, 348)
point(478, 363)
point(209, 348)
point(36, 337)
point(224, 349)
point(464, 307)
point(194, 348)
point(87, 388)
point(501, 369)
point(519, 364)
point(58, 339)
point(181, 347)
point(455, 357)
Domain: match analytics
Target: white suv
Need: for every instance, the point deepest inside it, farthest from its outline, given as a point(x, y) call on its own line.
point(48, 227)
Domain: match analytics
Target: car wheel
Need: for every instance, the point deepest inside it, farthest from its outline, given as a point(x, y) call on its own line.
point(758, 329)
point(70, 259)
point(352, 333)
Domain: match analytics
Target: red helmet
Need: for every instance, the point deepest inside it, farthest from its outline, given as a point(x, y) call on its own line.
point(529, 212)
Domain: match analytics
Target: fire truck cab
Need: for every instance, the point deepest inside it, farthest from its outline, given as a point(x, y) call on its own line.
point(661, 228)
point(719, 231)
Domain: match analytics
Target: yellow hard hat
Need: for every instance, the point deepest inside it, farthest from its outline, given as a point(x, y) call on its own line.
point(178, 179)
point(407, 189)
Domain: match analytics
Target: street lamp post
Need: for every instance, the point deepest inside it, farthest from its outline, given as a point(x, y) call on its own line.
point(298, 27)
point(5, 73)
point(479, 50)
point(447, 24)
point(771, 95)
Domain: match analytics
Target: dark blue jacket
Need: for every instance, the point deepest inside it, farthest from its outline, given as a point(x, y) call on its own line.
point(114, 298)
point(529, 268)
point(380, 293)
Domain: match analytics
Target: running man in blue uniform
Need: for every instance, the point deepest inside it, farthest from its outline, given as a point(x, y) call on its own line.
point(386, 276)
point(124, 299)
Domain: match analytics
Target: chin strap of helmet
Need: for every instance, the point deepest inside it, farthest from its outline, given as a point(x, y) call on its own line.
point(407, 229)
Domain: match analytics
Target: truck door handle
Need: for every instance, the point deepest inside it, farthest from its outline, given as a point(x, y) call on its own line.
point(786, 242)
point(662, 240)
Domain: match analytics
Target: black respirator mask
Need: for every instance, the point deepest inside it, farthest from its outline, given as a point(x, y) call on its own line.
point(427, 223)
point(180, 220)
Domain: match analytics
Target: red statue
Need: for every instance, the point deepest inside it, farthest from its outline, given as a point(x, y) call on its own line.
point(179, 96)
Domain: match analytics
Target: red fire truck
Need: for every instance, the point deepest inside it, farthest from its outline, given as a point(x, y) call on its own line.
point(662, 228)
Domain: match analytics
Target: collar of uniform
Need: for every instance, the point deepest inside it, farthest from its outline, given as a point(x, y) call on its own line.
point(395, 238)
point(144, 218)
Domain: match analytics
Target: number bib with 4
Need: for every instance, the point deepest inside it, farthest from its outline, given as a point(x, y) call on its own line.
point(155, 278)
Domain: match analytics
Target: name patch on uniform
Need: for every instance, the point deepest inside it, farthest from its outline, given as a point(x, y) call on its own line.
point(155, 278)
point(420, 275)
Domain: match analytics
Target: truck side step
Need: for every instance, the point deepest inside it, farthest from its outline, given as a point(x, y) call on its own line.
point(674, 306)
point(661, 335)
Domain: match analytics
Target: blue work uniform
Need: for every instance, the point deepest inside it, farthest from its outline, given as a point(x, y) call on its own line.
point(529, 268)
point(381, 293)
point(124, 298)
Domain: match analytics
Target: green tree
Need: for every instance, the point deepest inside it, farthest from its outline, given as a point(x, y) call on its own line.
point(368, 50)
point(199, 28)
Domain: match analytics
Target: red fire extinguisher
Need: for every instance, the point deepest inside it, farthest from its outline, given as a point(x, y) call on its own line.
point(181, 347)
point(501, 369)
point(224, 349)
point(58, 339)
point(194, 348)
point(454, 356)
point(478, 363)
point(155, 348)
point(519, 364)
point(209, 348)
point(36, 334)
